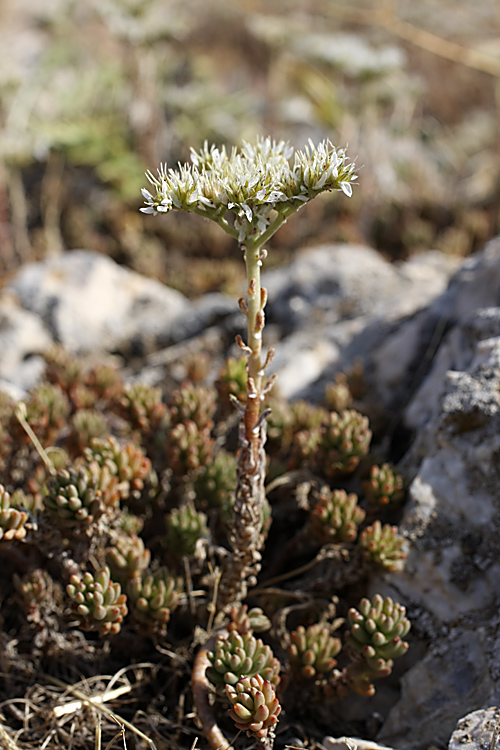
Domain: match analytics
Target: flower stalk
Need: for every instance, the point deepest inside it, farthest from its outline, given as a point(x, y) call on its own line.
point(250, 193)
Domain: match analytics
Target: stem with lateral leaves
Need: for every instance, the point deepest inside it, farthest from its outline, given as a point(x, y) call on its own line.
point(247, 539)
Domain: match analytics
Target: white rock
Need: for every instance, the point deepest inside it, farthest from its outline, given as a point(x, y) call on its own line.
point(450, 582)
point(351, 743)
point(90, 304)
point(478, 730)
point(23, 338)
point(349, 303)
point(439, 689)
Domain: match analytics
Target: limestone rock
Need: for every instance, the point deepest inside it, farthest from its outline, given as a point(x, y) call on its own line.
point(452, 519)
point(478, 730)
point(338, 303)
point(23, 339)
point(351, 743)
point(91, 304)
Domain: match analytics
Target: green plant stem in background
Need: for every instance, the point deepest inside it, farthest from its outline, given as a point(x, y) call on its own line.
point(250, 193)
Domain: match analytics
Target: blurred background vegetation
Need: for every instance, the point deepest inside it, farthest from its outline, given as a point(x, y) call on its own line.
point(93, 93)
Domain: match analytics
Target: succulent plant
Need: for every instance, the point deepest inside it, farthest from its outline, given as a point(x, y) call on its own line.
point(306, 416)
point(215, 483)
point(338, 396)
point(97, 602)
point(232, 381)
point(12, 520)
point(104, 381)
point(185, 527)
point(336, 516)
point(73, 497)
point(385, 486)
point(345, 439)
point(153, 596)
point(375, 639)
point(47, 410)
point(188, 448)
point(127, 462)
point(280, 424)
point(130, 524)
point(304, 448)
point(142, 407)
point(312, 651)
point(107, 483)
point(193, 403)
point(63, 369)
point(237, 656)
point(244, 621)
point(383, 546)
point(34, 589)
point(128, 558)
point(36, 484)
point(255, 707)
point(21, 500)
point(86, 425)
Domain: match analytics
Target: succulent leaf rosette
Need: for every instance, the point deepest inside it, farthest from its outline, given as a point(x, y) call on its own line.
point(385, 486)
point(255, 707)
point(312, 651)
point(186, 527)
point(12, 520)
point(215, 483)
point(232, 382)
point(193, 403)
point(383, 546)
point(74, 497)
point(142, 406)
point(97, 602)
point(237, 656)
point(46, 411)
point(188, 448)
point(345, 439)
point(128, 558)
point(125, 462)
point(377, 630)
point(153, 597)
point(244, 621)
point(336, 516)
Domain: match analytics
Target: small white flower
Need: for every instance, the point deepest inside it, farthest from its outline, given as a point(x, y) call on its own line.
point(320, 183)
point(252, 182)
point(242, 233)
point(262, 224)
point(205, 201)
point(248, 212)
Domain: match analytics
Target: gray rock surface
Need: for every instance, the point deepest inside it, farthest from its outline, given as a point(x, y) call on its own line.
point(90, 304)
point(450, 582)
point(477, 731)
point(23, 339)
point(351, 743)
point(338, 303)
point(351, 281)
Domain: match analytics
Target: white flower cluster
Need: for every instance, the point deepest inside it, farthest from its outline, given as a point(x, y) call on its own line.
point(251, 182)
